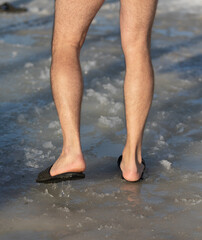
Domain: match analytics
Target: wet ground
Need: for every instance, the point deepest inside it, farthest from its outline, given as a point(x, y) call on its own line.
point(168, 203)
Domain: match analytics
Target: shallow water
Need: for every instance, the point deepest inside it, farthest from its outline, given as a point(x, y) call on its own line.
point(167, 204)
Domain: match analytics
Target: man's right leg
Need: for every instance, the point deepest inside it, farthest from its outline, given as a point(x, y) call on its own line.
point(136, 20)
point(72, 20)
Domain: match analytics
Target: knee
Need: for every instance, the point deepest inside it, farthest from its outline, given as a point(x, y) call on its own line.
point(65, 44)
point(62, 48)
point(138, 40)
point(65, 53)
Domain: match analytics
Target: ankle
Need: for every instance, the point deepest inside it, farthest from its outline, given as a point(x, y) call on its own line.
point(75, 158)
point(132, 154)
point(72, 150)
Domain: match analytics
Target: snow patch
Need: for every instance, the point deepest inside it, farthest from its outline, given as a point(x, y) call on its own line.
point(100, 97)
point(110, 88)
point(48, 145)
point(54, 124)
point(116, 108)
point(180, 127)
point(194, 6)
point(28, 65)
point(111, 122)
point(166, 164)
point(14, 54)
point(45, 74)
point(86, 66)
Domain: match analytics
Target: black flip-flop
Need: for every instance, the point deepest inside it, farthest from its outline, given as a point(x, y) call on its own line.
point(141, 178)
point(45, 177)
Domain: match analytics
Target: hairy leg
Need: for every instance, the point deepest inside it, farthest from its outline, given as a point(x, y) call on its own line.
point(136, 20)
point(72, 20)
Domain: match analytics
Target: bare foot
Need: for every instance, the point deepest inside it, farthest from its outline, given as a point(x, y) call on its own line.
point(71, 162)
point(131, 170)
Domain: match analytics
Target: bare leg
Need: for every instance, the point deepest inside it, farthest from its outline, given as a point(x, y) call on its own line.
point(72, 20)
point(136, 20)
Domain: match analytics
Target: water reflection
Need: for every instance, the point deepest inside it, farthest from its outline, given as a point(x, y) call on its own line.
point(132, 192)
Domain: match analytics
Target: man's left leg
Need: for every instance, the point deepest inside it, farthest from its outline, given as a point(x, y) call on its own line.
point(72, 20)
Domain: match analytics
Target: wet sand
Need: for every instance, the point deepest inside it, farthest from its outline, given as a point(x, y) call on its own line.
point(168, 203)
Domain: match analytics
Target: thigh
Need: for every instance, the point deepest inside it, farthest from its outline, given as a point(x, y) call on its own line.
point(136, 19)
point(72, 20)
